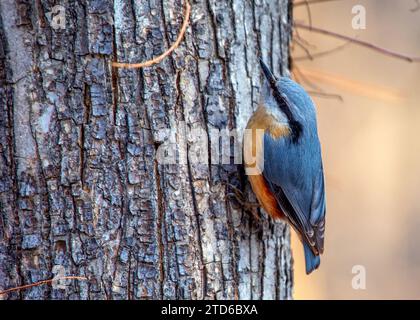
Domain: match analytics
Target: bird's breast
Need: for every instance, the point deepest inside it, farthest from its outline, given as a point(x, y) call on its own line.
point(265, 119)
point(262, 122)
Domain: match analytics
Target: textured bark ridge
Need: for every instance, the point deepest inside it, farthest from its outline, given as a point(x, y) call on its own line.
point(81, 190)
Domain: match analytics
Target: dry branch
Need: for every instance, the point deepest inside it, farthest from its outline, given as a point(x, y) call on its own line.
point(366, 44)
point(158, 59)
point(39, 283)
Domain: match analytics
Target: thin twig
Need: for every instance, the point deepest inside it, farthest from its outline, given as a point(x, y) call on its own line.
point(326, 95)
point(304, 2)
point(417, 7)
point(323, 53)
point(369, 45)
point(308, 53)
point(158, 59)
point(39, 283)
point(296, 35)
point(357, 87)
point(308, 10)
point(317, 90)
point(299, 75)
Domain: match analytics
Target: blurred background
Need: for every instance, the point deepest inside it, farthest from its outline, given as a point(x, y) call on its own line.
point(371, 149)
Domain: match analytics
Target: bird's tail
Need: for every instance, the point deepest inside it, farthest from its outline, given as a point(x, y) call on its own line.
point(312, 261)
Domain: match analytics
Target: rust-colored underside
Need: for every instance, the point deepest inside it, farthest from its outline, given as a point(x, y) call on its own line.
point(263, 120)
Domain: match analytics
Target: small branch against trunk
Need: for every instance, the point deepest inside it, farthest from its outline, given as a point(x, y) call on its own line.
point(39, 283)
point(158, 59)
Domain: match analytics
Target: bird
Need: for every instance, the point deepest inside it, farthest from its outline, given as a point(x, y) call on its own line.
point(283, 162)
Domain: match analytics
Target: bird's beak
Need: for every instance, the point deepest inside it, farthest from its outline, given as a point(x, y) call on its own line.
point(268, 74)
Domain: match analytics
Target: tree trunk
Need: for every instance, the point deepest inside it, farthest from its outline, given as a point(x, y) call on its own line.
point(82, 189)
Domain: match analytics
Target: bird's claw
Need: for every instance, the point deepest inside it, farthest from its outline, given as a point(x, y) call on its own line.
point(239, 197)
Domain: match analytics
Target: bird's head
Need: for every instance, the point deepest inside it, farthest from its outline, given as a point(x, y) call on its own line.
point(289, 98)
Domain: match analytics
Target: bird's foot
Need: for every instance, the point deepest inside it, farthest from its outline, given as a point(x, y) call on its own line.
point(239, 197)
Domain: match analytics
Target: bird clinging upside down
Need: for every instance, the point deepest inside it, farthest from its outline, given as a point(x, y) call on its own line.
point(283, 162)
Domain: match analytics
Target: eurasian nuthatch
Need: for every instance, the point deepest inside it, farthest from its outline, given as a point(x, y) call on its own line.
point(290, 183)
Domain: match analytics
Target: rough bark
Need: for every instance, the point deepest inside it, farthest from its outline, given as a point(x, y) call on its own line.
point(80, 184)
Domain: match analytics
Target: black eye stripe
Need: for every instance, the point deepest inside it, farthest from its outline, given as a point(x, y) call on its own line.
point(295, 126)
point(282, 103)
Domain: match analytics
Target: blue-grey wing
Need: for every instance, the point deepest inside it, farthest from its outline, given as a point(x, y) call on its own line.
point(295, 174)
